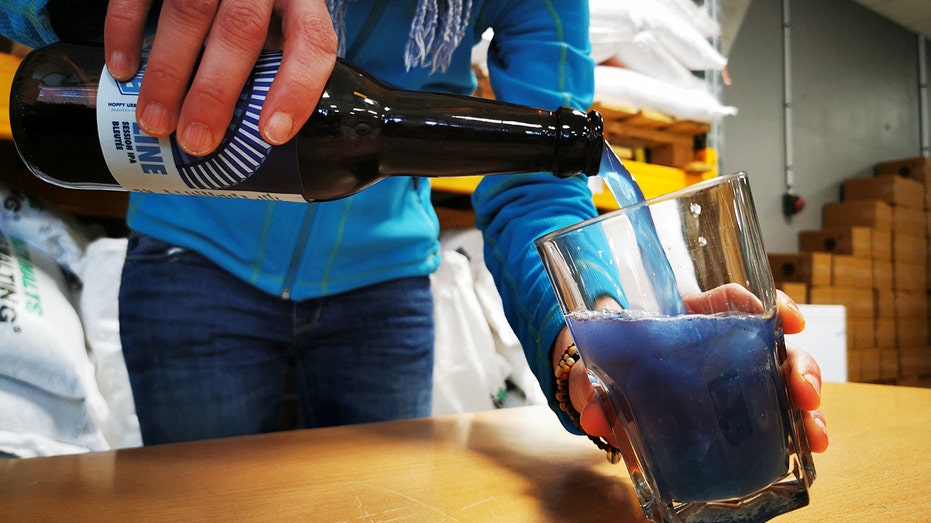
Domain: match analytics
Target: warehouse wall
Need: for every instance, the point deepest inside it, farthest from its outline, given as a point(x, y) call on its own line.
point(855, 89)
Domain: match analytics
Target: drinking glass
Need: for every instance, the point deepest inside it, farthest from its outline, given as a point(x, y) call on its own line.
point(672, 306)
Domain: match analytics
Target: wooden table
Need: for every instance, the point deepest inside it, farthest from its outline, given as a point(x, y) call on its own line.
point(510, 465)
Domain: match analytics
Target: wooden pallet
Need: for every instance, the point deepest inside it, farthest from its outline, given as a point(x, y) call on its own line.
point(640, 134)
point(666, 140)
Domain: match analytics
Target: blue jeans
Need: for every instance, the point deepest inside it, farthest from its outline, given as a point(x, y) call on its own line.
point(209, 355)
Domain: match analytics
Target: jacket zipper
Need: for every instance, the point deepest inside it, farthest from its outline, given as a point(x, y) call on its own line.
point(298, 254)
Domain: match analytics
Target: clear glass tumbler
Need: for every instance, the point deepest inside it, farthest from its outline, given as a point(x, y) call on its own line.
point(672, 306)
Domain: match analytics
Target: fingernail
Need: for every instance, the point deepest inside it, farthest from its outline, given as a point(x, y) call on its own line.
point(155, 119)
point(278, 128)
point(196, 139)
point(118, 65)
point(814, 382)
point(820, 423)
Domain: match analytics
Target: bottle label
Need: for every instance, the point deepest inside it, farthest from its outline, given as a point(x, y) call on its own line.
point(143, 163)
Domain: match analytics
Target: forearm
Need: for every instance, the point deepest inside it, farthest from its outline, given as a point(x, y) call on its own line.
point(27, 22)
point(539, 58)
point(512, 211)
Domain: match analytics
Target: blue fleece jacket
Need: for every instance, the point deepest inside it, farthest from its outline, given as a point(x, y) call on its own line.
point(539, 57)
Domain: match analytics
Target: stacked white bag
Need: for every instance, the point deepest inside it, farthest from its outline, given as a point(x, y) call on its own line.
point(659, 43)
point(63, 383)
point(49, 400)
point(98, 308)
point(477, 355)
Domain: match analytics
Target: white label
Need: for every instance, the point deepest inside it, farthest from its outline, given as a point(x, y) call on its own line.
point(142, 163)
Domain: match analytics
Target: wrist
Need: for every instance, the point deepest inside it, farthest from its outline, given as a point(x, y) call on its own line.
point(562, 342)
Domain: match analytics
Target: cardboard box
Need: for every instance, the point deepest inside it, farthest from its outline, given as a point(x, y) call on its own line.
point(884, 333)
point(813, 268)
point(859, 302)
point(851, 271)
point(917, 168)
point(869, 364)
point(796, 290)
point(911, 305)
point(888, 364)
point(882, 244)
point(915, 361)
point(909, 248)
point(882, 274)
point(911, 333)
point(853, 365)
point(909, 276)
point(894, 190)
point(928, 263)
point(906, 220)
point(876, 214)
point(914, 381)
point(884, 303)
point(861, 333)
point(854, 241)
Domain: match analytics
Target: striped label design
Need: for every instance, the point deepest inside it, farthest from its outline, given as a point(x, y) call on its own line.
point(142, 163)
point(242, 150)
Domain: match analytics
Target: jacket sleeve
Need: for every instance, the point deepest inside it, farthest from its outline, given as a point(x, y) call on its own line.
point(35, 23)
point(27, 22)
point(540, 57)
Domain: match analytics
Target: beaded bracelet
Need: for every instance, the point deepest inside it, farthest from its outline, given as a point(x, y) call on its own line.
point(569, 358)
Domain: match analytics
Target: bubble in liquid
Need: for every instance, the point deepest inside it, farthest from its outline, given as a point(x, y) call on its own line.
point(695, 208)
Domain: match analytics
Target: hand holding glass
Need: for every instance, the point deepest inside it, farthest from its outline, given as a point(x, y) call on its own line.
point(672, 305)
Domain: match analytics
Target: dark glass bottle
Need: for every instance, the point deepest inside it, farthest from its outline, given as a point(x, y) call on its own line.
point(362, 131)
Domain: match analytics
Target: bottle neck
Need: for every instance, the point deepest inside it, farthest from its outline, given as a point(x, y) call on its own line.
point(448, 135)
point(579, 143)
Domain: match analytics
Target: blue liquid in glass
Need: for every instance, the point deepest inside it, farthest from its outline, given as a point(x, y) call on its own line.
point(626, 191)
point(703, 393)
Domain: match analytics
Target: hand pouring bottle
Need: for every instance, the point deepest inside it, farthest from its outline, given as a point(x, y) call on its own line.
point(75, 126)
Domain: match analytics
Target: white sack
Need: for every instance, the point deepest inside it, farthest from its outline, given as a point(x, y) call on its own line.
point(605, 42)
point(469, 242)
point(468, 374)
point(695, 15)
point(48, 387)
point(616, 85)
point(47, 229)
point(673, 31)
point(480, 49)
point(32, 445)
point(643, 54)
point(99, 310)
point(34, 422)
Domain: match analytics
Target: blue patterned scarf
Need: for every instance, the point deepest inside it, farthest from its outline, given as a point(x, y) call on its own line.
point(436, 31)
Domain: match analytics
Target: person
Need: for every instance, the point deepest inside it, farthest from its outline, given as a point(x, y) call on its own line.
point(219, 298)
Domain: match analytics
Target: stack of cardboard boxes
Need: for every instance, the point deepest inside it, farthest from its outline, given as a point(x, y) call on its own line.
point(835, 265)
point(911, 247)
point(871, 255)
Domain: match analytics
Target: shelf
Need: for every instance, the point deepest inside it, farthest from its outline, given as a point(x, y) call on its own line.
point(8, 65)
point(668, 141)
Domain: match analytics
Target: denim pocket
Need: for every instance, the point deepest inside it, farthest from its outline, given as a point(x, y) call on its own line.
point(144, 248)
